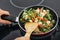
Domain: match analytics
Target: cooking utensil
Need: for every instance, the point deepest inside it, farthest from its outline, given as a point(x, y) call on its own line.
point(30, 27)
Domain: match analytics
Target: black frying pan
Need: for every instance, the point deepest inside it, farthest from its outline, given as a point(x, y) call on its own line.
point(16, 19)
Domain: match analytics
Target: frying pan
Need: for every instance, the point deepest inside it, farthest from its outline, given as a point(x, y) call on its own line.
point(17, 19)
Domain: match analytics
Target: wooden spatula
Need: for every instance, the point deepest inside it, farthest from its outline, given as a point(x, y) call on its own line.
point(30, 27)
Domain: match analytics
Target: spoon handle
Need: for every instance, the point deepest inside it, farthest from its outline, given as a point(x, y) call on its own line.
point(27, 35)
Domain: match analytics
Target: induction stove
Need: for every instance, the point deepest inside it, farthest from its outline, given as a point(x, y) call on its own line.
point(6, 30)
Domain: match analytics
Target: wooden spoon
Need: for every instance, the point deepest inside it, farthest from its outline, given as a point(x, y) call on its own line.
point(30, 27)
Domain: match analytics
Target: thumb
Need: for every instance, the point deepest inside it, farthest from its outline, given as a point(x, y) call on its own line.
point(5, 21)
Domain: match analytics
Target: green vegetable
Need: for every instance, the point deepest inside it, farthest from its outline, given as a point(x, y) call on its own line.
point(30, 15)
point(30, 12)
point(49, 17)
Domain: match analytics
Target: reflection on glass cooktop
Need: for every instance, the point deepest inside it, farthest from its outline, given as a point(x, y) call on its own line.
point(25, 3)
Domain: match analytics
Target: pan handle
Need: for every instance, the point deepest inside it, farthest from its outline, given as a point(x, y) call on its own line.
point(9, 18)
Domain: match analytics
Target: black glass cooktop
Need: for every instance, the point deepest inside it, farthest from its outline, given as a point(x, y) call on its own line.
point(10, 32)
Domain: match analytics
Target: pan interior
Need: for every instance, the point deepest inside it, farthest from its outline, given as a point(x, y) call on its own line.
point(35, 7)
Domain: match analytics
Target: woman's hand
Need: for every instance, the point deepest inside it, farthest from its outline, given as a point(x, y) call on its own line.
point(3, 12)
point(22, 38)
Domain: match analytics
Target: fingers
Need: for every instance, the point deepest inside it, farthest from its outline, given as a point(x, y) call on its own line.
point(18, 38)
point(4, 12)
point(22, 38)
point(5, 21)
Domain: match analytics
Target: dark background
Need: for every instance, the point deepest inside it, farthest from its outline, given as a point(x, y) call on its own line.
point(8, 29)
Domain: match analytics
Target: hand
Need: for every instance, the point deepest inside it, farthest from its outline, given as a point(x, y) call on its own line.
point(3, 12)
point(22, 38)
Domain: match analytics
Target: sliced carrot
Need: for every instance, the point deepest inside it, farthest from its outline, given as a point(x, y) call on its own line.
point(40, 18)
point(47, 26)
point(45, 19)
point(33, 19)
point(40, 25)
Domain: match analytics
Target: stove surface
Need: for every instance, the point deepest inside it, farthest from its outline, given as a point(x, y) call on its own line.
point(12, 31)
